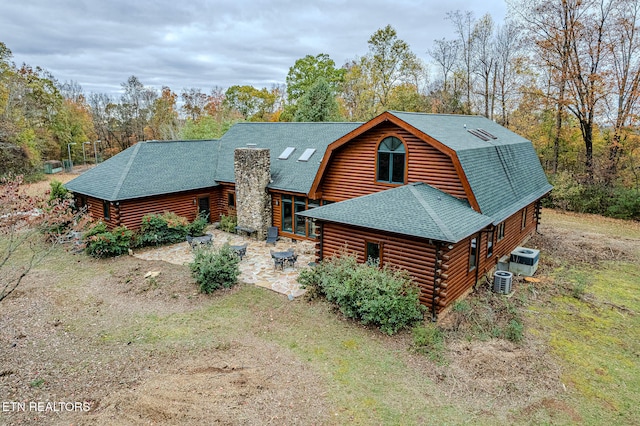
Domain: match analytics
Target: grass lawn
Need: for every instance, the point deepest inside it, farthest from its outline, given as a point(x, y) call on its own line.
point(155, 350)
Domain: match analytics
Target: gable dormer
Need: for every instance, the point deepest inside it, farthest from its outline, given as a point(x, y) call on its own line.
point(383, 153)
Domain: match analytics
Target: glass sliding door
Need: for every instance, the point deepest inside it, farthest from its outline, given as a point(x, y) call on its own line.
point(301, 225)
point(287, 213)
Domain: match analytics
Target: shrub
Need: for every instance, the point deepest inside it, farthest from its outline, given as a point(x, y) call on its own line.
point(429, 340)
point(626, 204)
point(98, 228)
point(384, 297)
point(165, 228)
point(569, 193)
point(197, 227)
point(215, 269)
point(228, 223)
point(103, 243)
point(58, 191)
point(514, 331)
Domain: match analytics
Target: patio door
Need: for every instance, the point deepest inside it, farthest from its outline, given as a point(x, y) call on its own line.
point(204, 207)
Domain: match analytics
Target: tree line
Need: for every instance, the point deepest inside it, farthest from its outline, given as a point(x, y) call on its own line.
point(562, 73)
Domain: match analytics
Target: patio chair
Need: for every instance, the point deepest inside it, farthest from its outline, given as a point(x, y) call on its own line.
point(272, 235)
point(240, 251)
point(292, 259)
point(278, 260)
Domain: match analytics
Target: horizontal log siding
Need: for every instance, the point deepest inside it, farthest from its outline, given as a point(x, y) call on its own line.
point(181, 204)
point(351, 172)
point(514, 235)
point(416, 256)
point(459, 278)
point(96, 212)
point(222, 204)
point(276, 208)
point(130, 212)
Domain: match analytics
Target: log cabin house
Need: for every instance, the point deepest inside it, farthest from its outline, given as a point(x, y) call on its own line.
point(442, 196)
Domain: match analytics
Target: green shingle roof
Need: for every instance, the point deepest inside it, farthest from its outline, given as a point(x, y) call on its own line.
point(153, 168)
point(150, 168)
point(291, 174)
point(504, 173)
point(417, 210)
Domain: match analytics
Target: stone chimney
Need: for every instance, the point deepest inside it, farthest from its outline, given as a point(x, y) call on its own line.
point(253, 202)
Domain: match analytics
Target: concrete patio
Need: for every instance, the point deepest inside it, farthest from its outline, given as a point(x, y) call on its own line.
point(256, 268)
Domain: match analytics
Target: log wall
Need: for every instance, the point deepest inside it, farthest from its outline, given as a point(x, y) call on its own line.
point(460, 278)
point(441, 272)
point(130, 212)
point(352, 169)
point(415, 255)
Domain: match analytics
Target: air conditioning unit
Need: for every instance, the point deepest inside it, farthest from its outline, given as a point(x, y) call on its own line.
point(502, 282)
point(524, 261)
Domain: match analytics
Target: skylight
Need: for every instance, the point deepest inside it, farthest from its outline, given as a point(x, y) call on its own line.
point(477, 134)
point(286, 153)
point(307, 154)
point(487, 134)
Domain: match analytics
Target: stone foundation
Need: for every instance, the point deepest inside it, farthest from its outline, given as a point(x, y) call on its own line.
point(253, 202)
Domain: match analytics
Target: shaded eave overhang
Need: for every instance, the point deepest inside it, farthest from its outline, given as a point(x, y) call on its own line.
point(137, 197)
point(407, 234)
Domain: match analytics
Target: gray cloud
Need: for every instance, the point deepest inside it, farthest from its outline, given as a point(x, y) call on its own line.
point(99, 44)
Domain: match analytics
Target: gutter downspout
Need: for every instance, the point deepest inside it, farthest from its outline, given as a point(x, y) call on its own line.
point(321, 243)
point(478, 257)
point(434, 314)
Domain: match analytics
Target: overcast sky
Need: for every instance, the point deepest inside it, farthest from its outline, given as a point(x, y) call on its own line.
point(207, 43)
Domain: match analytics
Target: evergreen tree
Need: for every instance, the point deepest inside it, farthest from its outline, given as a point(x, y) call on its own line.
point(318, 104)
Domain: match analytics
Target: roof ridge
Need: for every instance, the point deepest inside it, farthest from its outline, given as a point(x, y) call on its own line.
point(434, 216)
point(435, 114)
point(123, 176)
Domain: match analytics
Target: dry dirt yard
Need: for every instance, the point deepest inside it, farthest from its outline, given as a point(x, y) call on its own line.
point(153, 350)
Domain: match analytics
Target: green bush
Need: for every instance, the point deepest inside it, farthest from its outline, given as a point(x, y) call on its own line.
point(626, 204)
point(384, 297)
point(103, 243)
point(429, 340)
point(58, 191)
point(569, 193)
point(514, 331)
point(161, 229)
point(197, 227)
point(228, 223)
point(98, 228)
point(215, 269)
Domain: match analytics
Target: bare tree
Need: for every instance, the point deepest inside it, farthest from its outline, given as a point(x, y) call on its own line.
point(25, 220)
point(485, 61)
point(509, 61)
point(194, 102)
point(624, 43)
point(445, 53)
point(464, 24)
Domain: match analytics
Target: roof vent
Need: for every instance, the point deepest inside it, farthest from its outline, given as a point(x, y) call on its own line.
point(286, 153)
point(307, 154)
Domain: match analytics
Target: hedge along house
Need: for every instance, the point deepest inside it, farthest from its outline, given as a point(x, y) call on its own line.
point(442, 196)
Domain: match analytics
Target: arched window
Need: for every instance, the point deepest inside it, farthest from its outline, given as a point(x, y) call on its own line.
point(391, 160)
